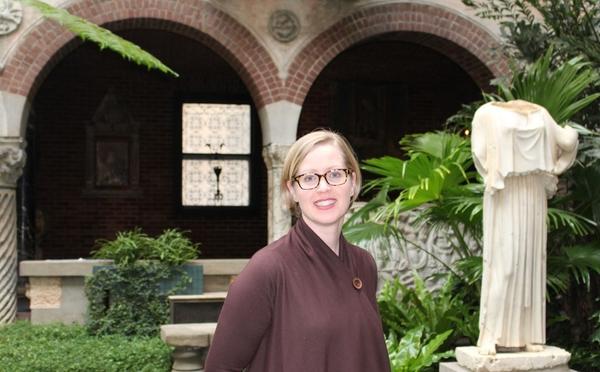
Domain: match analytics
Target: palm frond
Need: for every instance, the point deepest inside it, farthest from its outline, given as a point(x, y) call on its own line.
point(559, 89)
point(104, 38)
point(582, 260)
point(369, 231)
point(574, 262)
point(577, 224)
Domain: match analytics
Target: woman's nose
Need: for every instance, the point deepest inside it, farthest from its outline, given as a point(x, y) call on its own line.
point(323, 185)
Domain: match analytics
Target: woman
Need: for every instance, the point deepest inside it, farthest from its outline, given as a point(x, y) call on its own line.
point(306, 302)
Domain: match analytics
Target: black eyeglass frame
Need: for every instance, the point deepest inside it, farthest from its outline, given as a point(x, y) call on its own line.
point(346, 171)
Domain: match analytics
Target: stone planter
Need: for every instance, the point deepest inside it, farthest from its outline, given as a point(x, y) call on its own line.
point(56, 287)
point(192, 269)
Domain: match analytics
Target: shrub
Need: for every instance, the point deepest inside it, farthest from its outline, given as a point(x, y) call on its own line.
point(58, 347)
point(127, 299)
point(406, 308)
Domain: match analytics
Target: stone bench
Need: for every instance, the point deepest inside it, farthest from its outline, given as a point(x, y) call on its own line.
point(191, 342)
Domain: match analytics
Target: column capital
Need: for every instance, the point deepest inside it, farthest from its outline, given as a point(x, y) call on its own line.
point(274, 155)
point(12, 161)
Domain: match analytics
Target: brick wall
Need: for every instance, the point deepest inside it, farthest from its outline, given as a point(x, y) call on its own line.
point(66, 101)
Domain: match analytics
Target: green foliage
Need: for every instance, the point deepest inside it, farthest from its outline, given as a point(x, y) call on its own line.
point(171, 247)
point(570, 26)
point(104, 38)
point(576, 263)
point(584, 178)
point(557, 89)
point(434, 171)
point(460, 122)
point(414, 352)
point(26, 347)
point(404, 308)
point(585, 357)
point(116, 295)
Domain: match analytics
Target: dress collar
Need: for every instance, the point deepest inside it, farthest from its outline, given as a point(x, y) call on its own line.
point(314, 246)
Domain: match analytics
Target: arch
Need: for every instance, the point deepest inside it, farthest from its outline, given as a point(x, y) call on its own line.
point(45, 45)
point(378, 20)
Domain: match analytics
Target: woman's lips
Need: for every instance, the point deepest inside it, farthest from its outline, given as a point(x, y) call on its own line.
point(325, 203)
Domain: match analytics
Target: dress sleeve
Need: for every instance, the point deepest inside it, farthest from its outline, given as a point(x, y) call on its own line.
point(245, 316)
point(478, 143)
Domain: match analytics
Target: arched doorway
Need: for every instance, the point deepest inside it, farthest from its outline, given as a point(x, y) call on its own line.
point(390, 85)
point(63, 108)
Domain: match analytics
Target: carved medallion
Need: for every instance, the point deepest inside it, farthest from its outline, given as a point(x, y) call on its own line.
point(11, 15)
point(284, 25)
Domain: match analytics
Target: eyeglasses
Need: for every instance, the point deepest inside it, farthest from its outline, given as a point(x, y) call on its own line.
point(333, 177)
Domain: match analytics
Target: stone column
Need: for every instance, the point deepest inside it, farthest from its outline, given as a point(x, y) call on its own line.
point(279, 217)
point(279, 123)
point(12, 160)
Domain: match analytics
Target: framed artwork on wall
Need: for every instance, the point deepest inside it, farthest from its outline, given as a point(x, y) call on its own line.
point(112, 162)
point(112, 151)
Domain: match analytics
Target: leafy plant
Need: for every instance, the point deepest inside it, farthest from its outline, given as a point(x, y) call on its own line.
point(58, 347)
point(116, 294)
point(413, 352)
point(403, 308)
point(171, 247)
point(435, 171)
point(570, 26)
point(559, 89)
point(104, 38)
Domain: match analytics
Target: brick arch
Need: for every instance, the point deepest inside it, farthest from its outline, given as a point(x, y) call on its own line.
point(389, 18)
point(47, 43)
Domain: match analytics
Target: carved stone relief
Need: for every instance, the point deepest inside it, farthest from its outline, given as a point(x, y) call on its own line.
point(423, 250)
point(12, 160)
point(11, 15)
point(44, 292)
point(284, 25)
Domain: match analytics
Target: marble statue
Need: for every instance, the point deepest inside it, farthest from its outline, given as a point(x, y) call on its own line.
point(519, 150)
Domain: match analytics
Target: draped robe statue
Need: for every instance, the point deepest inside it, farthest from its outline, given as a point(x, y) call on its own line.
point(519, 150)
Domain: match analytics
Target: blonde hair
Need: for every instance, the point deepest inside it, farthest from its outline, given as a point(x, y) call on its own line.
point(302, 147)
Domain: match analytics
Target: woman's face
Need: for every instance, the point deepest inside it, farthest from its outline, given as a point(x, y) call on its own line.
point(325, 205)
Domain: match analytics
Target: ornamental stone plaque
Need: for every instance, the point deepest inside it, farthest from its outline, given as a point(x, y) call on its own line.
point(284, 25)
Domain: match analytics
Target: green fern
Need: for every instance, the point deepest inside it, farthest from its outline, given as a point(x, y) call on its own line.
point(104, 38)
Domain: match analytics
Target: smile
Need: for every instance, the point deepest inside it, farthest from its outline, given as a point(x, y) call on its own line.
point(325, 203)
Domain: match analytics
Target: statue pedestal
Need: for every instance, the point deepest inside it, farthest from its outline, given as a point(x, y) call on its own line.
point(551, 359)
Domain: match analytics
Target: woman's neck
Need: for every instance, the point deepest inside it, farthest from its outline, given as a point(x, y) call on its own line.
point(330, 234)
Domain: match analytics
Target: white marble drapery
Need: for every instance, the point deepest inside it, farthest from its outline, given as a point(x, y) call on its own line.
point(518, 149)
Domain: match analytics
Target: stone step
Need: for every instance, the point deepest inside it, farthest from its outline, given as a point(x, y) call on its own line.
point(200, 308)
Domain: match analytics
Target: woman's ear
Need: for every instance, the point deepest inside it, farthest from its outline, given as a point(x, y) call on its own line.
point(292, 190)
point(353, 179)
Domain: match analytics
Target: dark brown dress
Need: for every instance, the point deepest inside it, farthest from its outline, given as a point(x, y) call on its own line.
point(299, 307)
